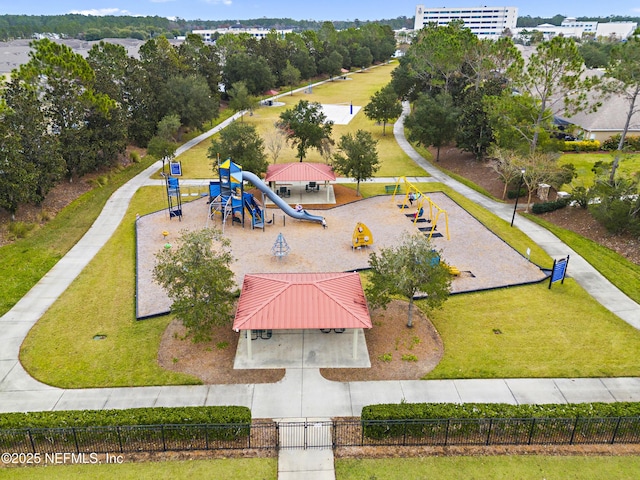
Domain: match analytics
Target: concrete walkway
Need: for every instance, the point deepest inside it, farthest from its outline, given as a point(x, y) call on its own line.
point(587, 276)
point(303, 392)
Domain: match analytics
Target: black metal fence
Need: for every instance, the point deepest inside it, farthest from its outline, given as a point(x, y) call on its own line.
point(130, 439)
point(326, 434)
point(490, 431)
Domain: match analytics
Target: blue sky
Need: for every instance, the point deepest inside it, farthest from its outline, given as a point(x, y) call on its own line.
point(308, 10)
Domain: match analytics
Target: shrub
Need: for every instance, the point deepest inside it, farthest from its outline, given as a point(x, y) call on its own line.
point(135, 157)
point(581, 146)
point(20, 229)
point(545, 207)
point(582, 196)
point(409, 357)
point(133, 416)
point(419, 411)
point(631, 142)
point(385, 357)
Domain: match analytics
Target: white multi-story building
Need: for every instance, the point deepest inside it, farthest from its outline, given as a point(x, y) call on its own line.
point(485, 22)
point(570, 27)
point(209, 35)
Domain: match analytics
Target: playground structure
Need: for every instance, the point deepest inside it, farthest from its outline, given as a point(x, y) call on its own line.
point(228, 198)
point(413, 194)
point(280, 248)
point(361, 236)
point(174, 198)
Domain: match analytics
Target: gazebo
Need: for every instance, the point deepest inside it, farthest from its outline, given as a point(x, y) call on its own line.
point(294, 301)
point(312, 173)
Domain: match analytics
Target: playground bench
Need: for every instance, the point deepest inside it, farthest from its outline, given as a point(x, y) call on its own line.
point(390, 189)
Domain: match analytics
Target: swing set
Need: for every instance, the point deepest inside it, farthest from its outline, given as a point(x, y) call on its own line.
point(423, 204)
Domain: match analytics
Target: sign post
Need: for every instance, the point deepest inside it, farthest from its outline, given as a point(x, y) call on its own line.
point(559, 270)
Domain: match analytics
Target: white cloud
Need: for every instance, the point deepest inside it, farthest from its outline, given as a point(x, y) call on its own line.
point(223, 2)
point(101, 12)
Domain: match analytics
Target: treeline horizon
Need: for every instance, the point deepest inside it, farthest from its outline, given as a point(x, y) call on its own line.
point(89, 27)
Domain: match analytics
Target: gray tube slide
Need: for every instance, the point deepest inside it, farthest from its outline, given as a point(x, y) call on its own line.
point(284, 206)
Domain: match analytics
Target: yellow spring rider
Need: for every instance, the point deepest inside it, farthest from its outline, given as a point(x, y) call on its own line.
point(361, 236)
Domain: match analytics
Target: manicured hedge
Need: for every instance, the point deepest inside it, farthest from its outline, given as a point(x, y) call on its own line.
point(500, 424)
point(415, 411)
point(545, 207)
point(134, 416)
point(581, 146)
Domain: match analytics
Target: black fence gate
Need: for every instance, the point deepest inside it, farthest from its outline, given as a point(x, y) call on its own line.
point(306, 434)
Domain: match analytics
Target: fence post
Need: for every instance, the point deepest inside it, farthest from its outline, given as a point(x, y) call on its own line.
point(33, 445)
point(277, 436)
point(615, 431)
point(362, 433)
point(573, 433)
point(533, 426)
point(119, 438)
point(75, 439)
point(489, 432)
point(164, 444)
point(404, 434)
point(446, 433)
point(334, 426)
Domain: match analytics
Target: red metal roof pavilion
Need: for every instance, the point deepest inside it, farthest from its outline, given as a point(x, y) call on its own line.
point(300, 172)
point(278, 301)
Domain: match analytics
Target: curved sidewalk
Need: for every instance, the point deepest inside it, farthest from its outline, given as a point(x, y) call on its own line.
point(303, 392)
point(588, 277)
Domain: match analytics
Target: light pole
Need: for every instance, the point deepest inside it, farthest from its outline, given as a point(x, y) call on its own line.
point(515, 207)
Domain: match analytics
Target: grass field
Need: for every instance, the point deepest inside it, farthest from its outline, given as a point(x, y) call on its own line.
point(533, 331)
point(25, 261)
point(617, 269)
point(60, 349)
point(394, 162)
point(629, 164)
point(216, 469)
point(490, 468)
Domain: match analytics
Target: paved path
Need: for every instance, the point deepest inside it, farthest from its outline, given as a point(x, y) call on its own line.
point(587, 276)
point(302, 392)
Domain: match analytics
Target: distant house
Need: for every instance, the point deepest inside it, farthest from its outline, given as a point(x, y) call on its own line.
point(607, 121)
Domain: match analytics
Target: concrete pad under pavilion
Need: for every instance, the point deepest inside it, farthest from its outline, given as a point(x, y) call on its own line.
point(297, 193)
point(303, 349)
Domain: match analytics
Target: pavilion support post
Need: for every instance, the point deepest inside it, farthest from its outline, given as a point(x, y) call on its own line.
point(355, 343)
point(249, 344)
point(326, 187)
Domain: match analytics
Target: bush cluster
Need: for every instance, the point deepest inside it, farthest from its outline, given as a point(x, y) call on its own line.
point(545, 207)
point(631, 143)
point(580, 146)
point(424, 411)
point(134, 416)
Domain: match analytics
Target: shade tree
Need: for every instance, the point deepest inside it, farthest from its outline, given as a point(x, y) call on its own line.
point(306, 126)
point(197, 277)
point(407, 270)
point(357, 157)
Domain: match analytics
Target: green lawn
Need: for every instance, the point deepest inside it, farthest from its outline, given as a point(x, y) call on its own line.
point(557, 332)
point(215, 469)
point(24, 263)
point(394, 162)
point(583, 162)
point(618, 270)
point(60, 349)
point(490, 468)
